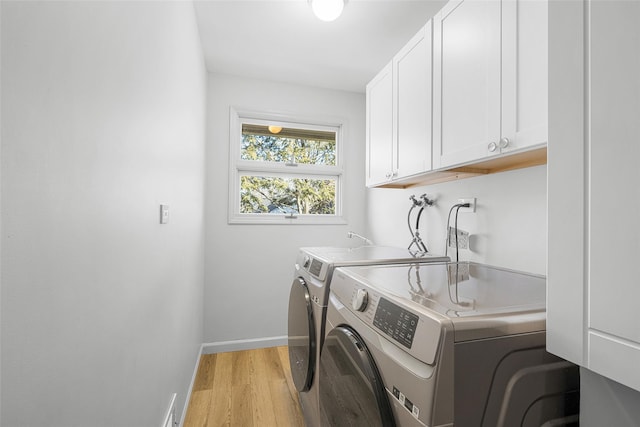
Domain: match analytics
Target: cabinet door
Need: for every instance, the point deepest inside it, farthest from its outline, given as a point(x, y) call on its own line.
point(593, 197)
point(379, 132)
point(466, 80)
point(524, 74)
point(614, 197)
point(412, 83)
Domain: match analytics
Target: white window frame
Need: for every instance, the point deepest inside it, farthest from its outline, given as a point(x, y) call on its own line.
point(239, 167)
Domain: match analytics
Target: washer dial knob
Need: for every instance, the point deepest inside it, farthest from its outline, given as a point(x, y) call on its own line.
point(360, 301)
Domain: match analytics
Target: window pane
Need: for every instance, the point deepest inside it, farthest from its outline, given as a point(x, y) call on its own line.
point(280, 195)
point(288, 145)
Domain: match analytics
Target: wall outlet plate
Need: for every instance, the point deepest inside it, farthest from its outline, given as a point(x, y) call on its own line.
point(463, 238)
point(460, 269)
point(472, 203)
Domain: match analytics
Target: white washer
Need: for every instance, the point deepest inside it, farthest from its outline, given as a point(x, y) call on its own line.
point(441, 345)
point(308, 302)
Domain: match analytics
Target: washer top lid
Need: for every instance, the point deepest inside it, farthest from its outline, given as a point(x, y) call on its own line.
point(479, 290)
point(341, 256)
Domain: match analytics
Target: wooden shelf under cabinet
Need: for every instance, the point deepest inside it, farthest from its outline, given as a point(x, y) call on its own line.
point(501, 163)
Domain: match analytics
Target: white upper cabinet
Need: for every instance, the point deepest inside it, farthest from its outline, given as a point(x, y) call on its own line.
point(379, 132)
point(466, 80)
point(525, 35)
point(412, 117)
point(490, 79)
point(471, 85)
point(399, 114)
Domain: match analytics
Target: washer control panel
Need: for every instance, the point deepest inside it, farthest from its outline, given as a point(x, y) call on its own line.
point(312, 265)
point(393, 321)
point(398, 323)
point(315, 268)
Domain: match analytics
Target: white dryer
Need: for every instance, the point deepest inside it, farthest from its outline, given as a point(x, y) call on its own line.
point(308, 299)
point(441, 345)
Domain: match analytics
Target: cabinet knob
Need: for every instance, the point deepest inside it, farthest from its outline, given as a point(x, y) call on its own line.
point(388, 175)
point(504, 142)
point(492, 147)
point(394, 174)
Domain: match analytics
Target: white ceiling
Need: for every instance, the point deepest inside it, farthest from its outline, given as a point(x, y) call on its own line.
point(281, 40)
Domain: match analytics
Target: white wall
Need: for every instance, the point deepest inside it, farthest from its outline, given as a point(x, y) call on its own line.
point(103, 109)
point(249, 268)
point(508, 228)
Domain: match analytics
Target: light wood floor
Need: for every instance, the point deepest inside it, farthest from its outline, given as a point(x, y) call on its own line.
point(244, 388)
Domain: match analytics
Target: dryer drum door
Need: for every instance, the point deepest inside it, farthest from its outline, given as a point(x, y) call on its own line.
point(351, 390)
point(302, 335)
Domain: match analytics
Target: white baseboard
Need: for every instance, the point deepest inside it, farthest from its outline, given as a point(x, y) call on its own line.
point(225, 346)
point(193, 380)
point(250, 344)
point(170, 416)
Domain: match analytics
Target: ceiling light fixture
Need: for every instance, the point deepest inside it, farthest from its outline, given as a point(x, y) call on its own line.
point(274, 129)
point(327, 10)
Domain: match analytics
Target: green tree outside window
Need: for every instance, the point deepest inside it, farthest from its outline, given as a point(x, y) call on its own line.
point(287, 195)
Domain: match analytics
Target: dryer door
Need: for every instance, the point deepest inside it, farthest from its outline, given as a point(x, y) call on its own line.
point(302, 336)
point(351, 390)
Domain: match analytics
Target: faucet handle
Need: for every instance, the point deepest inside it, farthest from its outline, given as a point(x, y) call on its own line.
point(426, 201)
point(415, 201)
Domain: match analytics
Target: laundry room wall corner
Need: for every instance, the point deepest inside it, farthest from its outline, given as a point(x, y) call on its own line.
point(249, 267)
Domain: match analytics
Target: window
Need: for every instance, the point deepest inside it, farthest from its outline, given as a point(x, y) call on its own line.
point(284, 170)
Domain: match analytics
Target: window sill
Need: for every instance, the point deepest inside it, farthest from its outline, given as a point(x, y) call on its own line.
point(279, 219)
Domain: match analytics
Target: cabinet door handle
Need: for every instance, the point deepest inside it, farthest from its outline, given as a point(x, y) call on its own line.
point(504, 142)
point(394, 174)
point(492, 147)
point(388, 175)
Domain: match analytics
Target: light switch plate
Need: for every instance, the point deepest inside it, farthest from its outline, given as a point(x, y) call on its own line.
point(164, 214)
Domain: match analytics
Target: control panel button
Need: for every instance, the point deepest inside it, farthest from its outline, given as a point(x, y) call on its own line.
point(395, 321)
